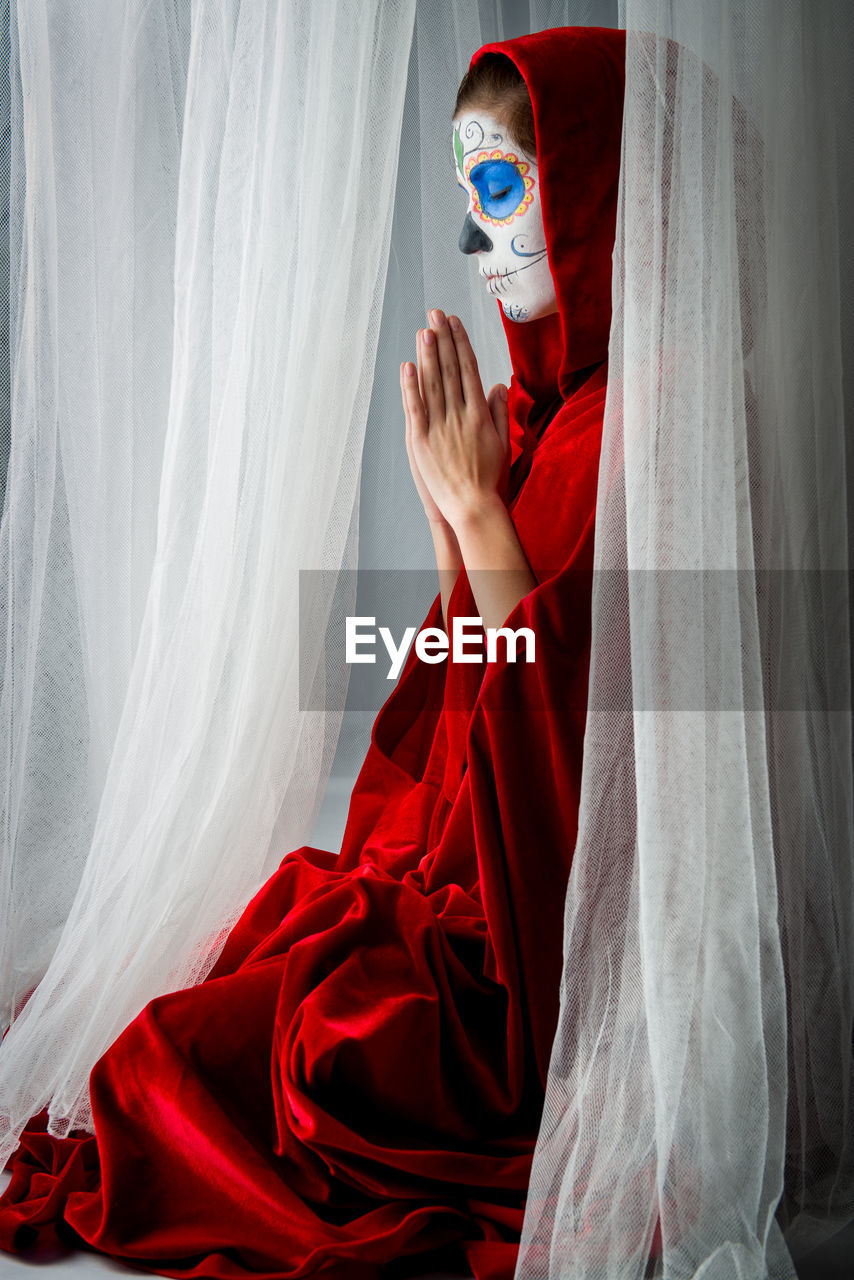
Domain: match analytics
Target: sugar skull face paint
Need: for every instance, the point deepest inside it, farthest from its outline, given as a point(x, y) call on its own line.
point(504, 222)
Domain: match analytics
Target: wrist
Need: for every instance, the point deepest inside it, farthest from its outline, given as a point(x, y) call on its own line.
point(443, 534)
point(449, 558)
point(485, 510)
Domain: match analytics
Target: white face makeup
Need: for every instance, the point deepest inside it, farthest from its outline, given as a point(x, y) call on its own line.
point(504, 223)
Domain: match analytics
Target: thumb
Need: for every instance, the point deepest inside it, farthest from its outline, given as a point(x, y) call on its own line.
point(498, 407)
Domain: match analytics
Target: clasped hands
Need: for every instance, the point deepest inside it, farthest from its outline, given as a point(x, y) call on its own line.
point(458, 443)
point(457, 439)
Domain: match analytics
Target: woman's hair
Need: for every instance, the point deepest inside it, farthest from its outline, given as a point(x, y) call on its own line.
point(495, 84)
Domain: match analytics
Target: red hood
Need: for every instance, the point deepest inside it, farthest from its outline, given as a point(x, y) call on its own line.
point(576, 81)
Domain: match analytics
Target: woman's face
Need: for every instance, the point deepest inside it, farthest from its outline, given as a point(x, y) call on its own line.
point(504, 223)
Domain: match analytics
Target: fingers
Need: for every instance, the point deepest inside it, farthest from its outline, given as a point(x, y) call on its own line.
point(446, 355)
point(413, 406)
point(500, 412)
point(448, 378)
point(430, 376)
point(472, 387)
point(406, 413)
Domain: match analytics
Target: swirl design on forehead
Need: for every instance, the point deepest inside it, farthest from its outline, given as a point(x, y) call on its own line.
point(474, 134)
point(474, 130)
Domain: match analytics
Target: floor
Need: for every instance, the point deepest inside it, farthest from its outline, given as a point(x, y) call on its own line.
point(834, 1262)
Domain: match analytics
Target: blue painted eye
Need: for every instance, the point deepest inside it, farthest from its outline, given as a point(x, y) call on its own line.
point(500, 186)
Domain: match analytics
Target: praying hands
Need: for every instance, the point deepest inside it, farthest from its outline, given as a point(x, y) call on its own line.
point(458, 444)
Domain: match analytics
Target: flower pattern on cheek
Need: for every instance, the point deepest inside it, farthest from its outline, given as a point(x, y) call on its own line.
point(500, 185)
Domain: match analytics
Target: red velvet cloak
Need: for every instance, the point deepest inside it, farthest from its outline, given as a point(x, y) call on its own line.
point(361, 1076)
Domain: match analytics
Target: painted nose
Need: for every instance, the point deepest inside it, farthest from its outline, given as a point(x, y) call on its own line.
point(472, 239)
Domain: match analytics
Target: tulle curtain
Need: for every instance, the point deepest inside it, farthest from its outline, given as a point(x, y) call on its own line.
point(701, 1078)
point(201, 204)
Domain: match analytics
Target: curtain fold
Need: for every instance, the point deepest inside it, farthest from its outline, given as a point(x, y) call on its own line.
point(699, 1106)
point(201, 207)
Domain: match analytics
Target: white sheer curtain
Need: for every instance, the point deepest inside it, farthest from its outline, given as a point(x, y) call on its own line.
point(201, 209)
point(702, 1067)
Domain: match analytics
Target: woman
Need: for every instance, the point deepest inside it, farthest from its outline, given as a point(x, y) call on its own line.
point(360, 1078)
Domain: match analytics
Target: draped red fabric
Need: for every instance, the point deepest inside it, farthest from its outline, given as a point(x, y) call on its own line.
point(359, 1081)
